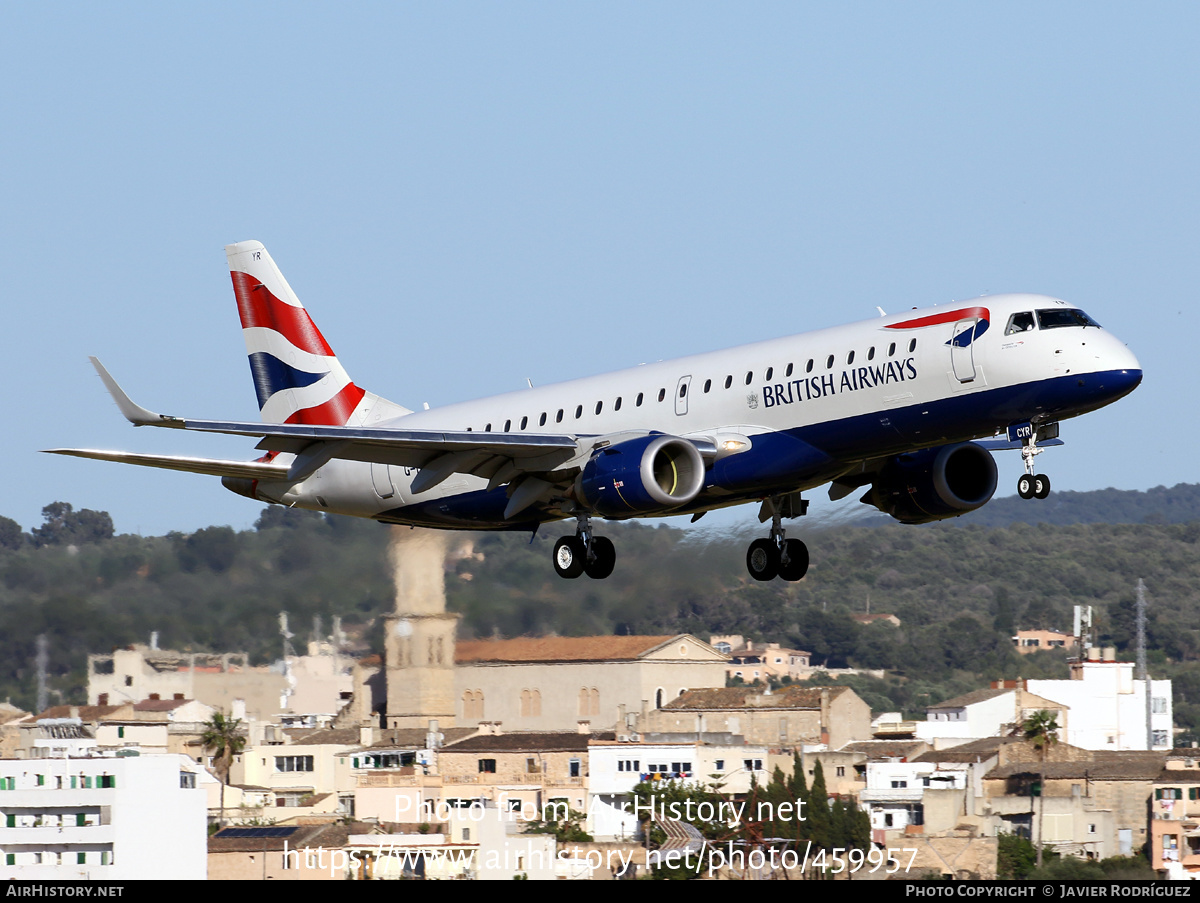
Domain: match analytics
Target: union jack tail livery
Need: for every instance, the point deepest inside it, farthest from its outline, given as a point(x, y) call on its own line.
point(297, 377)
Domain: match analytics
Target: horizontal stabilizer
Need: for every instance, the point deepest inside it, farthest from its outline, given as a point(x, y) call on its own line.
point(251, 470)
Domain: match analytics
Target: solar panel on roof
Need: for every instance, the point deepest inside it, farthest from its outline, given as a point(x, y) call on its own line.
point(272, 831)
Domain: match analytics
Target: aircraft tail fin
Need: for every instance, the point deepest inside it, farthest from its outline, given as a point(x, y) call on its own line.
point(297, 377)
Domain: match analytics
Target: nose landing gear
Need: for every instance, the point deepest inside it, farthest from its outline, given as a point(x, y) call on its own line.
point(584, 553)
point(1032, 485)
point(778, 556)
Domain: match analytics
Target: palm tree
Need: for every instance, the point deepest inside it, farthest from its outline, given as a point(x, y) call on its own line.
point(223, 735)
point(1041, 730)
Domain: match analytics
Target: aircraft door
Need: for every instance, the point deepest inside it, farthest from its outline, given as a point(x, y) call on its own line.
point(381, 479)
point(962, 354)
point(681, 394)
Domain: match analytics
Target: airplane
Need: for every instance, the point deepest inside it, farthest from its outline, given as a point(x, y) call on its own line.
point(909, 406)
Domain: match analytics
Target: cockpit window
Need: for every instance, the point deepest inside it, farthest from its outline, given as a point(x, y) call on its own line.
point(1022, 322)
point(1056, 317)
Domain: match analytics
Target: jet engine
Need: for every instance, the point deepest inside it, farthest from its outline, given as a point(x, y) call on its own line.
point(641, 476)
point(934, 483)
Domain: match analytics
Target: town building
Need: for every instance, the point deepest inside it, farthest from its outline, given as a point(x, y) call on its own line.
point(1028, 641)
point(616, 766)
point(1095, 802)
point(102, 819)
point(1175, 817)
point(787, 717)
point(559, 683)
point(1109, 706)
point(994, 712)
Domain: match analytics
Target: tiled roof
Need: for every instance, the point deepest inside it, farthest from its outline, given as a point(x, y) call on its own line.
point(971, 698)
point(1100, 766)
point(413, 738)
point(159, 705)
point(325, 736)
point(792, 697)
point(559, 649)
point(973, 751)
point(886, 749)
point(1178, 776)
point(83, 712)
point(550, 741)
point(331, 837)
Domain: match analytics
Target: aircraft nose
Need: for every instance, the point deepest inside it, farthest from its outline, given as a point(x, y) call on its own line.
point(1122, 371)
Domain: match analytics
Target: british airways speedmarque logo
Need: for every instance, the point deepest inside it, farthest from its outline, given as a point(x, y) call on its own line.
point(981, 315)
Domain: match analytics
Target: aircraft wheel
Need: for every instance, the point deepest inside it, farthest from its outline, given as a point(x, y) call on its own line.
point(794, 563)
point(1025, 486)
point(762, 559)
point(604, 558)
point(570, 557)
point(1041, 486)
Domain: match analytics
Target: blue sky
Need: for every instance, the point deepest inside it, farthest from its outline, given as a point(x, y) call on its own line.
point(466, 195)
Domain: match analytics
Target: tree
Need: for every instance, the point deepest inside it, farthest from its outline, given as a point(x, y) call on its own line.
point(1041, 731)
point(11, 536)
point(64, 525)
point(224, 736)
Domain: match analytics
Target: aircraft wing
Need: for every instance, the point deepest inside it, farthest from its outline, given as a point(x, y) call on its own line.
point(251, 470)
point(499, 457)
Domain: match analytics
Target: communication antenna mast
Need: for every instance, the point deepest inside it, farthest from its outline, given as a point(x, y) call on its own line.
point(43, 659)
point(288, 654)
point(1141, 655)
point(287, 635)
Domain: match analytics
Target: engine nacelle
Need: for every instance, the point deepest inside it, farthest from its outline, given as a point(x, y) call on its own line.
point(641, 476)
point(935, 483)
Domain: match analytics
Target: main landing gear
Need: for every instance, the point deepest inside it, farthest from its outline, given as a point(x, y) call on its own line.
point(1031, 485)
point(584, 553)
point(777, 556)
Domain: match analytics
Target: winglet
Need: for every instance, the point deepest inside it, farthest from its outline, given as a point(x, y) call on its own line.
point(134, 413)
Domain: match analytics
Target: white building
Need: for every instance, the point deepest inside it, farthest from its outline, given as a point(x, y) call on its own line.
point(994, 712)
point(616, 767)
point(1108, 707)
point(105, 819)
point(895, 792)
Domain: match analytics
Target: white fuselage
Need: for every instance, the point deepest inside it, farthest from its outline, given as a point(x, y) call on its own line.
point(856, 392)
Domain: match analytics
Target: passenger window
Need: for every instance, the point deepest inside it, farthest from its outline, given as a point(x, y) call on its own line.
point(599, 407)
point(524, 422)
point(789, 370)
point(829, 363)
point(542, 421)
point(871, 353)
point(488, 428)
point(770, 370)
point(507, 425)
point(892, 350)
point(912, 346)
point(850, 358)
point(707, 385)
point(662, 394)
point(1022, 322)
point(728, 381)
point(578, 411)
point(558, 416)
point(683, 390)
point(808, 367)
point(639, 399)
point(749, 377)
point(617, 404)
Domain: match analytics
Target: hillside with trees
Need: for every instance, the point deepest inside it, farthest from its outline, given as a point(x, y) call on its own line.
point(960, 590)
